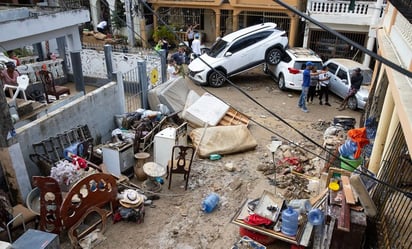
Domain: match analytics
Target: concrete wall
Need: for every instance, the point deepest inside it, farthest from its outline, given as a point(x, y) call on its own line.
point(96, 109)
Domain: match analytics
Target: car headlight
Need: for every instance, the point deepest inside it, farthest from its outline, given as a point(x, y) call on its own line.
point(193, 73)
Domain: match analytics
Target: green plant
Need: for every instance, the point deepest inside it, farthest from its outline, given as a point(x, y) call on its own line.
point(164, 32)
point(118, 18)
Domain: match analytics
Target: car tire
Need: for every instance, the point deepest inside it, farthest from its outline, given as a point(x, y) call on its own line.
point(352, 103)
point(281, 82)
point(216, 78)
point(274, 56)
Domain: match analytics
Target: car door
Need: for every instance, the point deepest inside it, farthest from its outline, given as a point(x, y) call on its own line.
point(242, 54)
point(342, 82)
point(333, 81)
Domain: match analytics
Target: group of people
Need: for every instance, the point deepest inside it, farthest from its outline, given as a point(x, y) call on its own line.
point(182, 56)
point(316, 83)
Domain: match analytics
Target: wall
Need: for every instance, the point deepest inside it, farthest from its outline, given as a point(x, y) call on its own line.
point(96, 109)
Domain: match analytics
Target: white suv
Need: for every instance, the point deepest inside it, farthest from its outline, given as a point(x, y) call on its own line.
point(238, 52)
point(294, 59)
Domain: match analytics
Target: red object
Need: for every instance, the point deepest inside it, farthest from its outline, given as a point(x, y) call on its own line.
point(258, 237)
point(359, 136)
point(81, 163)
point(293, 70)
point(297, 247)
point(256, 220)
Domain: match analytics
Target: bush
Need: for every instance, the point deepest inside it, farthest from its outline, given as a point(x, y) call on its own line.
point(164, 32)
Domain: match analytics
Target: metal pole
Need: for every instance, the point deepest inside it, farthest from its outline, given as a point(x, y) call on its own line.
point(163, 64)
point(141, 67)
point(108, 59)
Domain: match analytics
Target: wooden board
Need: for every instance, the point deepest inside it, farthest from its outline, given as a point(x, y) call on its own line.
point(233, 117)
point(363, 194)
point(347, 189)
point(344, 216)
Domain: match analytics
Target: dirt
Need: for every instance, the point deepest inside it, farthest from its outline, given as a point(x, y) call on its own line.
point(176, 219)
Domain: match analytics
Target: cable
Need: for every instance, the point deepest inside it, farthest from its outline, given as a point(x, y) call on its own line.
point(403, 71)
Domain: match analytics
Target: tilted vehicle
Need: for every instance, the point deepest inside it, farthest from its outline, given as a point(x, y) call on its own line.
point(293, 61)
point(237, 52)
point(340, 71)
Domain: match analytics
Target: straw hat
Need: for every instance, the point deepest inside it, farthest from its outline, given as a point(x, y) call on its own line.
point(131, 198)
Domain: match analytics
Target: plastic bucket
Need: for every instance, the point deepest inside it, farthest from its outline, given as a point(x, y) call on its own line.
point(353, 163)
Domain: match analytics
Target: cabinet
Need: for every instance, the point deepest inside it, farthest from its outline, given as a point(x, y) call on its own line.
point(118, 158)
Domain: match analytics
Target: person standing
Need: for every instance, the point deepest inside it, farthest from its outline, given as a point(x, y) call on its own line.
point(324, 85)
point(314, 80)
point(196, 45)
point(172, 72)
point(305, 86)
point(190, 32)
point(101, 27)
point(165, 46)
point(356, 81)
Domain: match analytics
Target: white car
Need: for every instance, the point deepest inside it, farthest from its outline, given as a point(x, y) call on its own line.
point(340, 71)
point(294, 60)
point(238, 52)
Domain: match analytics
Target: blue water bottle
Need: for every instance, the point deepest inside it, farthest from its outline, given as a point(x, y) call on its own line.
point(289, 222)
point(210, 202)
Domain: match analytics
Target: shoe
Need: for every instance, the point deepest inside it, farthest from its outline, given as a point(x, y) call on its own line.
point(320, 103)
point(305, 110)
point(327, 104)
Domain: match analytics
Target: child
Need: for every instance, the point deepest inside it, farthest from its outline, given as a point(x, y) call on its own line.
point(172, 70)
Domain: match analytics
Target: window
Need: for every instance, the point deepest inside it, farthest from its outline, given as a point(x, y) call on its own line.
point(332, 67)
point(342, 74)
point(248, 41)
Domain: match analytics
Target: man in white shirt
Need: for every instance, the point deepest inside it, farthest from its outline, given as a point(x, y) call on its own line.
point(324, 85)
point(101, 27)
point(196, 45)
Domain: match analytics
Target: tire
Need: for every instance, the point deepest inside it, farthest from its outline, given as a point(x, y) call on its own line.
point(274, 56)
point(281, 82)
point(352, 103)
point(216, 79)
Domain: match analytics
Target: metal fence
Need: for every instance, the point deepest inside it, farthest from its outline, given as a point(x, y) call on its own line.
point(393, 222)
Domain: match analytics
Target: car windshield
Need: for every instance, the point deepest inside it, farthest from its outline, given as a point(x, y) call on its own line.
point(217, 47)
point(367, 76)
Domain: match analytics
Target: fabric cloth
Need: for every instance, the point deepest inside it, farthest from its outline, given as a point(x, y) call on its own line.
point(256, 220)
point(306, 78)
point(196, 46)
point(102, 25)
point(359, 136)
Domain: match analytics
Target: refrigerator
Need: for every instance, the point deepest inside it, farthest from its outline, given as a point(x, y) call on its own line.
point(164, 141)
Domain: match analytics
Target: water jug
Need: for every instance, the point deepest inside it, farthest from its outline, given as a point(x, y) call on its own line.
point(315, 217)
point(302, 206)
point(210, 202)
point(289, 222)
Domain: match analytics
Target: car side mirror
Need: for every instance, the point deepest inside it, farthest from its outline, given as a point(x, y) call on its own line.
point(345, 81)
point(228, 54)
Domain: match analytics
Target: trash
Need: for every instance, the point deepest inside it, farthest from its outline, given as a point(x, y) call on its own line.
point(215, 157)
point(315, 217)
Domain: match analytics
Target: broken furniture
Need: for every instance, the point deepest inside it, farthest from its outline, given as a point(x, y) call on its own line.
point(141, 159)
point(180, 162)
point(58, 212)
point(153, 171)
point(22, 84)
point(50, 88)
point(51, 150)
point(20, 216)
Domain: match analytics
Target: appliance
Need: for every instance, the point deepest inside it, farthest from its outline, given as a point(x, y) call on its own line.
point(164, 141)
point(118, 157)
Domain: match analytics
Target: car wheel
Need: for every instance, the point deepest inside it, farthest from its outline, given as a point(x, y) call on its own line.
point(274, 56)
point(352, 103)
point(265, 68)
point(216, 79)
point(281, 82)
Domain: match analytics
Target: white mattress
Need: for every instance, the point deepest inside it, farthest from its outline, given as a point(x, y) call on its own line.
point(207, 109)
point(172, 94)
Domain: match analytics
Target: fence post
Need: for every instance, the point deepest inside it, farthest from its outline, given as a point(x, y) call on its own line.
point(108, 58)
point(163, 65)
point(141, 67)
point(77, 71)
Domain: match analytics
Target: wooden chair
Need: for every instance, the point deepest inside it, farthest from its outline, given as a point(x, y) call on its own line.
point(180, 162)
point(50, 88)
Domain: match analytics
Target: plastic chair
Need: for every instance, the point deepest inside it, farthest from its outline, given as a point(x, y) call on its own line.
point(180, 163)
point(22, 84)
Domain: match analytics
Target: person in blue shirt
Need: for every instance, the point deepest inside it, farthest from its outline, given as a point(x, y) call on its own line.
point(305, 86)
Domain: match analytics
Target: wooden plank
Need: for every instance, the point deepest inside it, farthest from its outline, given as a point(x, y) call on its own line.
point(364, 197)
point(347, 189)
point(344, 216)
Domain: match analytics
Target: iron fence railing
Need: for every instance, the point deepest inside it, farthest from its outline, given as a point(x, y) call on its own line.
point(393, 222)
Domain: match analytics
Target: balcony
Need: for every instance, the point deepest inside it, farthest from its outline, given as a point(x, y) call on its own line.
point(328, 11)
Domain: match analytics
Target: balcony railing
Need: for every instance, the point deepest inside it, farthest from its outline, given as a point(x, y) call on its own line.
point(340, 7)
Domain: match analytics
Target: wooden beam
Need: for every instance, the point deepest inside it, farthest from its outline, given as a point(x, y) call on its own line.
point(344, 216)
point(347, 189)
